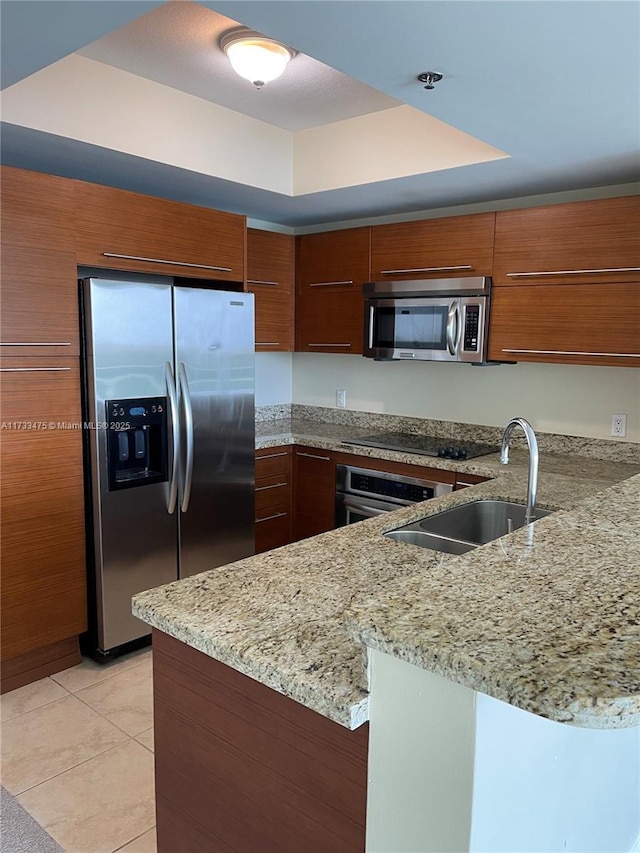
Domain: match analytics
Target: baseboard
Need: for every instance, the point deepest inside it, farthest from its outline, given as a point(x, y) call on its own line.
point(32, 666)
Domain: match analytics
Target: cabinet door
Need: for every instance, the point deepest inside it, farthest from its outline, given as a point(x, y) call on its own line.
point(315, 486)
point(443, 248)
point(584, 242)
point(270, 279)
point(331, 268)
point(37, 210)
point(273, 498)
point(42, 505)
point(581, 324)
point(123, 230)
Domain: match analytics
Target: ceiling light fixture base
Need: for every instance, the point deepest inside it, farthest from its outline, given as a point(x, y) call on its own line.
point(429, 78)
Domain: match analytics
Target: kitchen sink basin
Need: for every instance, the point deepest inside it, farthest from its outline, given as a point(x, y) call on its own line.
point(464, 527)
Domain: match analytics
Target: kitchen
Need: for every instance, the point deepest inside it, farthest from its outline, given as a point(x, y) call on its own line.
point(559, 398)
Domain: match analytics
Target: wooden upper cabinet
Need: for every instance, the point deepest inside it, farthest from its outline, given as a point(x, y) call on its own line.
point(37, 210)
point(123, 230)
point(270, 258)
point(577, 243)
point(442, 248)
point(583, 324)
point(331, 268)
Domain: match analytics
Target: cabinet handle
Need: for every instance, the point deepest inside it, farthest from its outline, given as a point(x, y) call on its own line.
point(162, 261)
point(428, 269)
point(271, 517)
point(36, 344)
point(313, 456)
point(331, 283)
point(465, 485)
point(257, 281)
point(272, 455)
point(329, 345)
point(574, 352)
point(571, 272)
point(274, 486)
point(267, 343)
point(32, 369)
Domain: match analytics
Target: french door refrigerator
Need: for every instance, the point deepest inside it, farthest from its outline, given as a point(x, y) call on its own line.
point(169, 405)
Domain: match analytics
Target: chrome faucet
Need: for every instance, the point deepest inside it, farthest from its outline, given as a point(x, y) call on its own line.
point(532, 444)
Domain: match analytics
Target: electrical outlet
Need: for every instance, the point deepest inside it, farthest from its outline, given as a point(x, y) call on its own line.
point(341, 398)
point(619, 425)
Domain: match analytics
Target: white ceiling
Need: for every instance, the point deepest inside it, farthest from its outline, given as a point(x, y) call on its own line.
point(177, 45)
point(553, 83)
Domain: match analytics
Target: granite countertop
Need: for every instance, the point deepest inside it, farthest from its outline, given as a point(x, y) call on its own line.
point(551, 625)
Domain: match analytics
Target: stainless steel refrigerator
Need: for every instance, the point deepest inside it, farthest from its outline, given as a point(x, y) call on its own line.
point(169, 401)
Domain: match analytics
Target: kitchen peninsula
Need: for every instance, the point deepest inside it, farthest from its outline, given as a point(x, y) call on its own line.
point(549, 626)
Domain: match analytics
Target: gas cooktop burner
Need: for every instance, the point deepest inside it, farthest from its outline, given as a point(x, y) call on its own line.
point(426, 445)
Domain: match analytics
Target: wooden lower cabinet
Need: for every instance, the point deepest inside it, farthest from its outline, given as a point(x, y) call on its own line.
point(314, 473)
point(241, 767)
point(573, 324)
point(42, 517)
point(273, 498)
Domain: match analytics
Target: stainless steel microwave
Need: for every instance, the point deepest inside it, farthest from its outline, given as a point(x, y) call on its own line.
point(430, 320)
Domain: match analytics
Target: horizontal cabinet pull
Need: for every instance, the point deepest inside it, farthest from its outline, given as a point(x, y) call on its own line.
point(257, 281)
point(329, 345)
point(274, 486)
point(267, 343)
point(330, 283)
point(462, 483)
point(36, 344)
point(428, 269)
point(571, 272)
point(272, 455)
point(32, 369)
point(313, 456)
point(574, 352)
point(162, 261)
point(271, 517)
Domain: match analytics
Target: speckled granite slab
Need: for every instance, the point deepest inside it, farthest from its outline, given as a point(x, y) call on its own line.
point(551, 627)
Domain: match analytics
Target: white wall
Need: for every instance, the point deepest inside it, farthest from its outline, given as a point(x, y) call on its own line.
point(565, 399)
point(273, 378)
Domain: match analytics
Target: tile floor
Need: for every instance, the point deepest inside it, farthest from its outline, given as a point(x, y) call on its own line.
point(77, 752)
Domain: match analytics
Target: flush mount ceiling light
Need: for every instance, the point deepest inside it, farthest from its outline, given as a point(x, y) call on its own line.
point(255, 57)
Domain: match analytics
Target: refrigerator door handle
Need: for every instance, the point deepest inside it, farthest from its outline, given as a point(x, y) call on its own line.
point(185, 396)
point(172, 396)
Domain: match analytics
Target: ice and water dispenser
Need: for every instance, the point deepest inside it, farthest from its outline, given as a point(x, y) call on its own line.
point(136, 442)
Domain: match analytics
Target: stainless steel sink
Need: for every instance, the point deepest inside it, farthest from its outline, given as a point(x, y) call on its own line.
point(464, 527)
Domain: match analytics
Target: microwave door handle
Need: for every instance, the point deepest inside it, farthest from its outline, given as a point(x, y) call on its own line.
point(371, 322)
point(453, 318)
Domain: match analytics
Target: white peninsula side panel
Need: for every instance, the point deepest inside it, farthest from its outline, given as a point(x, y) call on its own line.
point(455, 770)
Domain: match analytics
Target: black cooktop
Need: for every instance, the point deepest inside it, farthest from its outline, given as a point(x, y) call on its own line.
point(426, 445)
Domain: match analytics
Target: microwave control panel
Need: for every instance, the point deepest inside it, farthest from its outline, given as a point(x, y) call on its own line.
point(471, 328)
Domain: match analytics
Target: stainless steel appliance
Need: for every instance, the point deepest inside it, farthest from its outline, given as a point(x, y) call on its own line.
point(424, 445)
point(169, 401)
point(431, 320)
point(363, 493)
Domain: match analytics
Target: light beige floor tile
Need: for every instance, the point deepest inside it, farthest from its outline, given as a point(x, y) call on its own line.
point(146, 739)
point(100, 805)
point(144, 844)
point(29, 697)
point(125, 699)
point(49, 740)
point(89, 672)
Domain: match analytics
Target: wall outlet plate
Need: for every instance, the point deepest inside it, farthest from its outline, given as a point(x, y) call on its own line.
point(618, 426)
point(341, 398)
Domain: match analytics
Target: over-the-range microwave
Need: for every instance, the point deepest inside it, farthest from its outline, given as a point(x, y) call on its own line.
point(429, 320)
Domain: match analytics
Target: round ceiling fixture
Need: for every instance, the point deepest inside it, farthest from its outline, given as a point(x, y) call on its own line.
point(255, 57)
point(429, 78)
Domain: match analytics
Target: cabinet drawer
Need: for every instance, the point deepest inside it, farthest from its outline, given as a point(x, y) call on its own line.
point(123, 230)
point(582, 242)
point(273, 460)
point(581, 324)
point(273, 491)
point(440, 248)
point(273, 530)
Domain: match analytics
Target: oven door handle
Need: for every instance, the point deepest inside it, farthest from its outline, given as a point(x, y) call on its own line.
point(364, 508)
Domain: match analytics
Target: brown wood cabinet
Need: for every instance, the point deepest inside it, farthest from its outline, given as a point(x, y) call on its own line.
point(314, 476)
point(583, 324)
point(577, 243)
point(42, 546)
point(270, 275)
point(122, 230)
point(274, 494)
point(463, 481)
point(442, 248)
point(331, 268)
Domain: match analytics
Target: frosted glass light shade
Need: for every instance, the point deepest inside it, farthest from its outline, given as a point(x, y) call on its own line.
point(257, 59)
